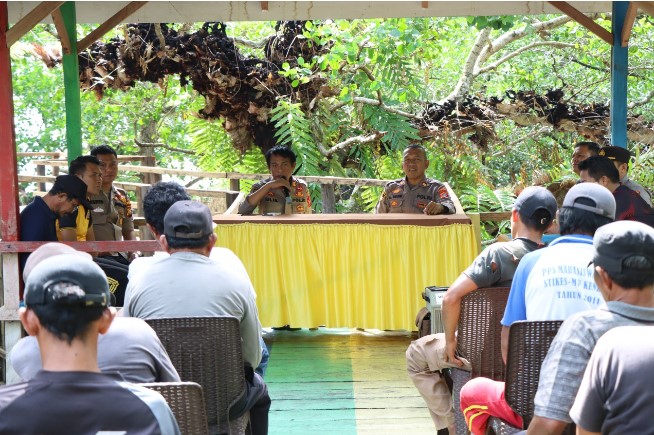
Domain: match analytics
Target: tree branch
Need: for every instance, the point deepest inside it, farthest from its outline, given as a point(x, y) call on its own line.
point(467, 74)
point(352, 141)
point(372, 102)
point(522, 50)
point(250, 44)
point(642, 101)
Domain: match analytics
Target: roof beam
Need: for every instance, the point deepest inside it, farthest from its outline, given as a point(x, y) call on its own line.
point(112, 22)
point(628, 25)
point(646, 6)
point(582, 19)
point(61, 31)
point(30, 20)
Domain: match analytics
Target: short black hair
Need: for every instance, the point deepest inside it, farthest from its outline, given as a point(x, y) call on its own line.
point(159, 199)
point(78, 166)
point(577, 221)
point(67, 322)
point(637, 272)
point(183, 243)
point(102, 150)
point(281, 151)
point(592, 146)
point(599, 166)
point(539, 221)
point(416, 146)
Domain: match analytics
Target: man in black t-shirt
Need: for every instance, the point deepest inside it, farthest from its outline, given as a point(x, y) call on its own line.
point(66, 307)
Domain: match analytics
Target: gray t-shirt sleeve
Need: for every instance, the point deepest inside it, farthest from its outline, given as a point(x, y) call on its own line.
point(486, 269)
point(589, 410)
point(158, 406)
point(562, 370)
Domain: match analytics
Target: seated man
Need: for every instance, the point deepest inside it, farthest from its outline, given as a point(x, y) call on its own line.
point(623, 262)
point(617, 389)
point(66, 307)
point(164, 290)
point(582, 151)
point(130, 346)
point(549, 284)
point(628, 204)
point(533, 212)
point(78, 226)
point(415, 193)
point(281, 193)
point(155, 205)
point(620, 158)
point(38, 220)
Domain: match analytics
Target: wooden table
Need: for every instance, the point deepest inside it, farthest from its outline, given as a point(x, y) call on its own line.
point(347, 270)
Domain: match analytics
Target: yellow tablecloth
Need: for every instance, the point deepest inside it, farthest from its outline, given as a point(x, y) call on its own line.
point(347, 275)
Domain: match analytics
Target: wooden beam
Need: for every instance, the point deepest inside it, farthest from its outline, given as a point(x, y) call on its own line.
point(584, 21)
point(646, 6)
point(425, 5)
point(629, 19)
point(264, 6)
point(112, 22)
point(30, 20)
point(61, 31)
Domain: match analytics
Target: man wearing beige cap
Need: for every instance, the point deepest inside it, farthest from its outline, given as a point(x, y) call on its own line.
point(130, 346)
point(66, 308)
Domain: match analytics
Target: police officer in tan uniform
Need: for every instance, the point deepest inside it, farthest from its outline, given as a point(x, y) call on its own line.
point(112, 209)
point(281, 193)
point(415, 193)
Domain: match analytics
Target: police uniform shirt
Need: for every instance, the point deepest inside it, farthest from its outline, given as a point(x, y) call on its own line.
point(111, 214)
point(275, 200)
point(400, 197)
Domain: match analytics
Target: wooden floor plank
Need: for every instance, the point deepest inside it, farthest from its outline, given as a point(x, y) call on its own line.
point(337, 381)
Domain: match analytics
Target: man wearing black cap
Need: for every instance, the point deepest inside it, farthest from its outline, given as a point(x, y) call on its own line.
point(549, 284)
point(628, 204)
point(38, 219)
point(621, 157)
point(190, 284)
point(533, 212)
point(623, 266)
point(66, 307)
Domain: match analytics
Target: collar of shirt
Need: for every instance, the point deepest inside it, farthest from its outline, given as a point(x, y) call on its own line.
point(573, 238)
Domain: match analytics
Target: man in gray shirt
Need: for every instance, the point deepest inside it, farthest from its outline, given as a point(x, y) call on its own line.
point(130, 346)
point(190, 284)
point(624, 273)
point(533, 211)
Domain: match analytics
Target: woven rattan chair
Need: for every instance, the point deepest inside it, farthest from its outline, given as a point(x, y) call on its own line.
point(478, 340)
point(186, 400)
point(528, 345)
point(207, 350)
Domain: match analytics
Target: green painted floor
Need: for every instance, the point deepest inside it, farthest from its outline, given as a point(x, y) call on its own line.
point(342, 381)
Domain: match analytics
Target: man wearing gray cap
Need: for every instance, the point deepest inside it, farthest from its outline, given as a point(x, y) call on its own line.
point(533, 212)
point(66, 307)
point(190, 284)
point(623, 266)
point(549, 284)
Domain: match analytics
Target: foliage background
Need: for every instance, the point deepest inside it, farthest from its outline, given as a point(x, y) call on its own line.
point(399, 63)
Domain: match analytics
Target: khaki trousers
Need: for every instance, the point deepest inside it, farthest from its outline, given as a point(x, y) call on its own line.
point(425, 358)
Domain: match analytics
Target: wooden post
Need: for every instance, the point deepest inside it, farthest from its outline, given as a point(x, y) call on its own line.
point(71, 83)
point(328, 198)
point(235, 185)
point(9, 194)
point(40, 170)
point(145, 233)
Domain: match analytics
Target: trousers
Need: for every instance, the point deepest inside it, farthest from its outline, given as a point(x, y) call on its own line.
point(482, 398)
point(425, 358)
